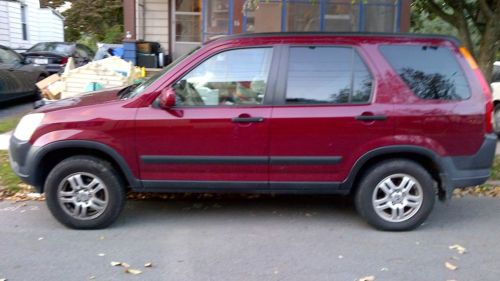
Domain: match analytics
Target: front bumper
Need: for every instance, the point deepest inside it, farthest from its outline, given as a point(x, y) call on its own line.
point(21, 157)
point(470, 170)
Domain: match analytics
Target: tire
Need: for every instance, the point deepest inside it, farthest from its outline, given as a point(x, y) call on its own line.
point(496, 119)
point(37, 95)
point(401, 205)
point(84, 192)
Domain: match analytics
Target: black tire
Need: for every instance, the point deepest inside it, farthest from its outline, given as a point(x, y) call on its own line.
point(496, 119)
point(112, 186)
point(37, 93)
point(392, 169)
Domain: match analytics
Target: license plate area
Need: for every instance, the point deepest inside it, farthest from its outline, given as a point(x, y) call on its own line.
point(41, 61)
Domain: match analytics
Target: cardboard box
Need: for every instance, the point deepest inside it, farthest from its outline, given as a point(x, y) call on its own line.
point(47, 81)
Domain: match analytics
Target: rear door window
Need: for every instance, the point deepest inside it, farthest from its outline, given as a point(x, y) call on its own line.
point(327, 75)
point(431, 72)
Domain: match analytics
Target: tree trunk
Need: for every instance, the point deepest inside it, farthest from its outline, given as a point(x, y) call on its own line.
point(487, 48)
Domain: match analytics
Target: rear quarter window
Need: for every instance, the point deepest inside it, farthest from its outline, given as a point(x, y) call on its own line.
point(431, 72)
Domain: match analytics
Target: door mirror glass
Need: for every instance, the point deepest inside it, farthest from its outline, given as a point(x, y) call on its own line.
point(167, 98)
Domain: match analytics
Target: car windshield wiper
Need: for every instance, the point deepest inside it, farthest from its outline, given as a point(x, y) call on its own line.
point(125, 91)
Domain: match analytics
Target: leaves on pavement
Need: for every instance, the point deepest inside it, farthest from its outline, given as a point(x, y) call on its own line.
point(450, 266)
point(460, 249)
point(133, 271)
point(367, 278)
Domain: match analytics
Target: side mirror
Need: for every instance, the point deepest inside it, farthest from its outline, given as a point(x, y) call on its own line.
point(167, 98)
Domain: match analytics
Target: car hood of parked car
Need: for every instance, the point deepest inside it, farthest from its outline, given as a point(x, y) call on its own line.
point(85, 99)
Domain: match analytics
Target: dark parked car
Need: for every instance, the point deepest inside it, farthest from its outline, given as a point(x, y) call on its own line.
point(54, 55)
point(17, 78)
point(394, 120)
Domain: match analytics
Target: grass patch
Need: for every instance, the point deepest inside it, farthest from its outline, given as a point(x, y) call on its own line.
point(9, 182)
point(495, 170)
point(9, 123)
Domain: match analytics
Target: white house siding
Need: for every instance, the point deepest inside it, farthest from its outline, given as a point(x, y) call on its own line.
point(42, 24)
point(51, 27)
point(4, 24)
point(155, 23)
point(15, 27)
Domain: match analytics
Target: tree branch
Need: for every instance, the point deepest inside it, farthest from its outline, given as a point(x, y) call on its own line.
point(485, 9)
point(436, 9)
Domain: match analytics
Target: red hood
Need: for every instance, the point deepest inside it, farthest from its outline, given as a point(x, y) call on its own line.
point(86, 99)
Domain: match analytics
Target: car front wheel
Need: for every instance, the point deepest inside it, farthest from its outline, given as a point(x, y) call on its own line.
point(396, 195)
point(84, 192)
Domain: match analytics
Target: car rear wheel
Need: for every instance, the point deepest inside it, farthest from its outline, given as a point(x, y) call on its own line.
point(396, 195)
point(37, 93)
point(84, 192)
point(496, 119)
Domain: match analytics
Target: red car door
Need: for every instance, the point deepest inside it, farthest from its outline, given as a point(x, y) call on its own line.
point(329, 114)
point(217, 135)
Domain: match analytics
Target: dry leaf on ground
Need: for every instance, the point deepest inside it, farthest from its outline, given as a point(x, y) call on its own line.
point(101, 254)
point(460, 249)
point(116, 263)
point(450, 266)
point(367, 278)
point(148, 264)
point(133, 271)
point(124, 264)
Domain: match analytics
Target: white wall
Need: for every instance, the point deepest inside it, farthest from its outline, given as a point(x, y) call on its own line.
point(42, 23)
point(4, 24)
point(155, 22)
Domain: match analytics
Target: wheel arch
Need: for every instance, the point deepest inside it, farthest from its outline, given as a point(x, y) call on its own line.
point(428, 159)
point(52, 154)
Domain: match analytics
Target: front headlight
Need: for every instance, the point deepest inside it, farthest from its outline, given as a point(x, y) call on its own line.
point(27, 126)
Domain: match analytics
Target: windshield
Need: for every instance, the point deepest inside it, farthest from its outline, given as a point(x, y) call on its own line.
point(58, 48)
point(139, 89)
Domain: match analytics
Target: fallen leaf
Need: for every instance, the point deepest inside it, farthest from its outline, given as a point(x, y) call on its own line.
point(91, 277)
point(460, 249)
point(450, 266)
point(116, 263)
point(124, 264)
point(40, 238)
point(367, 278)
point(149, 264)
point(3, 279)
point(101, 254)
point(133, 271)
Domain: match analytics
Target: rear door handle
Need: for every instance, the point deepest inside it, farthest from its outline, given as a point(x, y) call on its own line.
point(247, 119)
point(371, 117)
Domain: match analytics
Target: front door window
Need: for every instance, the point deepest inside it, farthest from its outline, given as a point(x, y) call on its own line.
point(236, 77)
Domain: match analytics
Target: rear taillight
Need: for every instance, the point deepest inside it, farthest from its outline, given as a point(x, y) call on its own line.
point(64, 60)
point(485, 88)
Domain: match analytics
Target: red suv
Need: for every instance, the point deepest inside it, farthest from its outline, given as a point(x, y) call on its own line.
point(395, 120)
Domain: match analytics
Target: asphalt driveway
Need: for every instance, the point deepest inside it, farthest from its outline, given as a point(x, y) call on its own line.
point(282, 238)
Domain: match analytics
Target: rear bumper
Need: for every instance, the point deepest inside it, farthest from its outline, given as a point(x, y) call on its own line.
point(464, 171)
point(54, 68)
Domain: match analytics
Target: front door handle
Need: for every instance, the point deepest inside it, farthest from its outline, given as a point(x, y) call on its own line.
point(371, 117)
point(247, 119)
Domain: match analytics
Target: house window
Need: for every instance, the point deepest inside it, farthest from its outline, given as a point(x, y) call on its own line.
point(24, 25)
